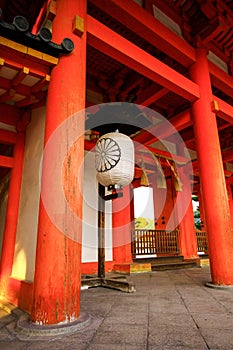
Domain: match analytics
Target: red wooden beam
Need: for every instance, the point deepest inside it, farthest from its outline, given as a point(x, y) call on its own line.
point(20, 89)
point(221, 79)
point(29, 100)
point(149, 28)
point(6, 162)
point(19, 60)
point(41, 84)
point(20, 76)
point(8, 137)
point(175, 157)
point(122, 50)
point(227, 156)
point(9, 114)
point(147, 101)
point(131, 83)
point(8, 95)
point(223, 109)
point(179, 122)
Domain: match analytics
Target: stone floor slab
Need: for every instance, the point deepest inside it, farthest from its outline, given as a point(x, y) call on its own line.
point(170, 310)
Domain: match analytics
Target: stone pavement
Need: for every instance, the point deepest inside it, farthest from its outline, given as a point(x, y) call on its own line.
point(169, 310)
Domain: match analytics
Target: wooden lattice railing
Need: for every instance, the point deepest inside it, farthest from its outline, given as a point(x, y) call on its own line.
point(146, 242)
point(202, 243)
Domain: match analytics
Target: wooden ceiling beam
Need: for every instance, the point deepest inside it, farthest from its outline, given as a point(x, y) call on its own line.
point(18, 60)
point(6, 162)
point(7, 96)
point(151, 95)
point(162, 130)
point(220, 79)
point(112, 44)
point(20, 76)
point(227, 156)
point(7, 137)
point(149, 28)
point(9, 114)
point(222, 109)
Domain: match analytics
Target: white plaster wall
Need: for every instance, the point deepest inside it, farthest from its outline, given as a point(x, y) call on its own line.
point(90, 215)
point(139, 2)
point(25, 249)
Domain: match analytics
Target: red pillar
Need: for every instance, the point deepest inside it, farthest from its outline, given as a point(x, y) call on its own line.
point(230, 196)
point(58, 257)
point(121, 226)
point(201, 209)
point(8, 247)
point(213, 185)
point(188, 239)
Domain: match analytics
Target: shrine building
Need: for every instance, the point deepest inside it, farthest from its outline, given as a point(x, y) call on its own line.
point(74, 74)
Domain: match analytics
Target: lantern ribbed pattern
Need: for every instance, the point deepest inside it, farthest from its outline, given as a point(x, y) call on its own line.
point(114, 159)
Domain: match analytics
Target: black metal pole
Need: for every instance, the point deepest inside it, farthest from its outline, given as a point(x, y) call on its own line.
point(101, 231)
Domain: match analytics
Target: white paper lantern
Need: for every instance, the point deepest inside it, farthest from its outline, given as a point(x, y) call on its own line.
point(114, 159)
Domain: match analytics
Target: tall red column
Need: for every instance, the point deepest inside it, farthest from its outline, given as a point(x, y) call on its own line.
point(201, 209)
point(188, 239)
point(230, 196)
point(121, 226)
point(8, 247)
point(213, 185)
point(58, 257)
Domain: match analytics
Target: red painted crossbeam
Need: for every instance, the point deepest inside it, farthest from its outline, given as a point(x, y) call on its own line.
point(162, 130)
point(221, 79)
point(9, 114)
point(6, 162)
point(149, 28)
point(122, 50)
point(224, 110)
point(8, 137)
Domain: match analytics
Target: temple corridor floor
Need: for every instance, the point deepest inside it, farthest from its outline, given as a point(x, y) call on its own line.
point(169, 310)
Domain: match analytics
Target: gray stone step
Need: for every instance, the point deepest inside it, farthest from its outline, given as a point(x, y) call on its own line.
point(173, 266)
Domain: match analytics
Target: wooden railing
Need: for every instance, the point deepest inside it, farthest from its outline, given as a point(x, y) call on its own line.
point(145, 242)
point(202, 243)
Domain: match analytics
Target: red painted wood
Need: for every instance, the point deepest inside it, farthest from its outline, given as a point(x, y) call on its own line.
point(230, 197)
point(8, 246)
point(19, 60)
point(149, 28)
point(178, 122)
point(225, 111)
point(164, 154)
point(221, 79)
point(213, 185)
point(6, 162)
point(163, 204)
point(227, 156)
point(149, 97)
point(20, 293)
point(121, 225)
point(201, 208)
point(9, 114)
point(58, 258)
point(188, 240)
point(115, 46)
point(8, 137)
point(91, 268)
